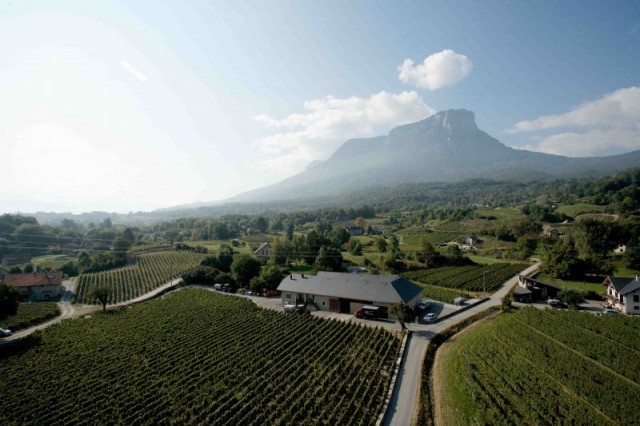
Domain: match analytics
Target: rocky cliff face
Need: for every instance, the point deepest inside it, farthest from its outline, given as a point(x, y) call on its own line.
point(444, 147)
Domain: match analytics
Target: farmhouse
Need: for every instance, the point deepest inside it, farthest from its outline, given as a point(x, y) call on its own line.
point(346, 293)
point(354, 230)
point(624, 293)
point(35, 286)
point(264, 251)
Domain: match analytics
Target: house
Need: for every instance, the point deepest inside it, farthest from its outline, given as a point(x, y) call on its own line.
point(354, 230)
point(263, 251)
point(347, 293)
point(623, 293)
point(538, 290)
point(35, 286)
point(15, 259)
point(471, 240)
point(550, 231)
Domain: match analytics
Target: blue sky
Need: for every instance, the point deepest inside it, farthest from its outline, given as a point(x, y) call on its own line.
point(126, 106)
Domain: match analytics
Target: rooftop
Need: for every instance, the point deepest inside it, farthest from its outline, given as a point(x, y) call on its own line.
point(375, 288)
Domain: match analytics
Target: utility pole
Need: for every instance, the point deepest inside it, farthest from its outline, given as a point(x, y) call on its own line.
point(484, 282)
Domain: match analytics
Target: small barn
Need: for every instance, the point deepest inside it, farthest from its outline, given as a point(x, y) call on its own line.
point(539, 290)
point(346, 293)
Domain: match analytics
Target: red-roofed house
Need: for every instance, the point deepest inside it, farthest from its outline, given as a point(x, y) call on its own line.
point(35, 286)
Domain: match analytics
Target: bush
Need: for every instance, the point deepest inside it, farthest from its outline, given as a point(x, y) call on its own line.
point(200, 275)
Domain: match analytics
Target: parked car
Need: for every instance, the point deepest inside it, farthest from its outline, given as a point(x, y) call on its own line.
point(610, 311)
point(555, 303)
point(430, 317)
point(368, 312)
point(5, 332)
point(295, 309)
point(423, 305)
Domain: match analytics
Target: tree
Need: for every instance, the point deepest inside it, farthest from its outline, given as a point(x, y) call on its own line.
point(505, 305)
point(402, 312)
point(261, 224)
point(28, 268)
point(427, 252)
point(381, 244)
point(632, 258)
point(9, 301)
point(128, 235)
point(225, 256)
point(245, 267)
point(561, 261)
point(121, 246)
point(571, 297)
point(329, 259)
point(102, 294)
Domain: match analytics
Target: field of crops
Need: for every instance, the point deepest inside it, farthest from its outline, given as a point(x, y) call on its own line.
point(447, 295)
point(30, 313)
point(198, 357)
point(150, 271)
point(545, 367)
point(469, 278)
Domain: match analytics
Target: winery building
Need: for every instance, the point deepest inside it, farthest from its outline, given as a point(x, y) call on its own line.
point(346, 293)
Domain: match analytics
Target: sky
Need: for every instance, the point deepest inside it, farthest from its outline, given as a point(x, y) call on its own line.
point(134, 105)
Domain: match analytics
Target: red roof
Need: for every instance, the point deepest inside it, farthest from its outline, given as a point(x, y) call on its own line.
point(34, 279)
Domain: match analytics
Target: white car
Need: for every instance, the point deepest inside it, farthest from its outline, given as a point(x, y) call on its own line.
point(609, 311)
point(4, 332)
point(424, 305)
point(430, 317)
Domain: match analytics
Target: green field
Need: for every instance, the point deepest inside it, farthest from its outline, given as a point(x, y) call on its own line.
point(150, 271)
point(446, 295)
point(537, 367)
point(574, 210)
point(53, 261)
point(583, 286)
point(475, 278)
point(198, 357)
point(30, 313)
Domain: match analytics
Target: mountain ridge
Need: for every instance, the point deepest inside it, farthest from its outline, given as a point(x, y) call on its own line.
point(447, 146)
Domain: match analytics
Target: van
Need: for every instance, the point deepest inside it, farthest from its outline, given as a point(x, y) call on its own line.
point(369, 312)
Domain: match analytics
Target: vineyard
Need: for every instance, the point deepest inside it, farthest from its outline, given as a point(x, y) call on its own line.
point(30, 313)
point(545, 367)
point(198, 357)
point(150, 271)
point(447, 295)
point(469, 278)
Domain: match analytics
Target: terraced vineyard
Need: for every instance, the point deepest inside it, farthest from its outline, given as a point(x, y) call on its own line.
point(150, 271)
point(198, 357)
point(545, 367)
point(469, 278)
point(30, 313)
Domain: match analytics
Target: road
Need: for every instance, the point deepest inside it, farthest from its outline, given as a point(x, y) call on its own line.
point(406, 392)
point(70, 310)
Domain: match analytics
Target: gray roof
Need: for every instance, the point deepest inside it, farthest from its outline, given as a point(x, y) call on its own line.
point(374, 288)
point(624, 285)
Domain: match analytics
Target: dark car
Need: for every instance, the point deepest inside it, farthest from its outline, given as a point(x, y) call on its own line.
point(555, 303)
point(368, 312)
point(5, 332)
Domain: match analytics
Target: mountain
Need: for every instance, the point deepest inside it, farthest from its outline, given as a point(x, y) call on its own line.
point(447, 146)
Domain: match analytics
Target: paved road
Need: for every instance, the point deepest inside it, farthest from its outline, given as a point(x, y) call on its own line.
point(406, 393)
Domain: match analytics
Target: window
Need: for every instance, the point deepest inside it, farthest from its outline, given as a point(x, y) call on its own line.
point(322, 303)
point(636, 308)
point(288, 296)
point(636, 298)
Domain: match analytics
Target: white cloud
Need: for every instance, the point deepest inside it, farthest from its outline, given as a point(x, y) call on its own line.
point(326, 123)
point(436, 71)
point(608, 125)
point(128, 67)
